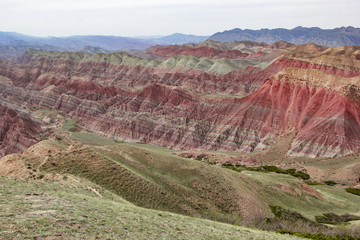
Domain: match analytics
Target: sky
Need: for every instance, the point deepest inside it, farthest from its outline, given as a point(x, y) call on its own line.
point(163, 17)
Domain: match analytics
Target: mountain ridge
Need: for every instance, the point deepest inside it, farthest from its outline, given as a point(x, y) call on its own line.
point(298, 35)
point(107, 42)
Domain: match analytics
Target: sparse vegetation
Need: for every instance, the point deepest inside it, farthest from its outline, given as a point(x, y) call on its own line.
point(332, 218)
point(290, 171)
point(310, 229)
point(317, 236)
point(286, 214)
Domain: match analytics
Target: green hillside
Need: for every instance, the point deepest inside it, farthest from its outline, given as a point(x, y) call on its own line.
point(78, 209)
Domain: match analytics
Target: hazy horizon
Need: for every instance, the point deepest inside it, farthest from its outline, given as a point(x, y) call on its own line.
point(160, 36)
point(159, 17)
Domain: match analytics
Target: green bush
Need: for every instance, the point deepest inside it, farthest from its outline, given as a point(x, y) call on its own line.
point(273, 169)
point(353, 191)
point(312, 183)
point(290, 171)
point(236, 168)
point(302, 175)
point(330, 183)
point(227, 165)
point(287, 214)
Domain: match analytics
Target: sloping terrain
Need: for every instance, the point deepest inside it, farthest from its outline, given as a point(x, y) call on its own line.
point(77, 209)
point(110, 175)
point(67, 177)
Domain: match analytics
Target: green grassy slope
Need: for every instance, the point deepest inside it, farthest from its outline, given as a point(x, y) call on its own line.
point(33, 209)
point(154, 177)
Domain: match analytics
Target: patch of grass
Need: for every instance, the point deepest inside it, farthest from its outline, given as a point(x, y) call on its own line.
point(91, 139)
point(70, 126)
point(354, 191)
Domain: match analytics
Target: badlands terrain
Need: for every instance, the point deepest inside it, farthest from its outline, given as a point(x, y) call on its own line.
point(242, 133)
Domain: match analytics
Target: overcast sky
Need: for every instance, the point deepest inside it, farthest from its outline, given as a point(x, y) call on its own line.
point(163, 17)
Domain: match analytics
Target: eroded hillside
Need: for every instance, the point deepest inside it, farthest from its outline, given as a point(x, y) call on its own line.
point(237, 96)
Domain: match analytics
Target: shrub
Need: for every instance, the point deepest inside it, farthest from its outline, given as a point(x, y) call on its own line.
point(74, 129)
point(302, 175)
point(330, 183)
point(290, 171)
point(353, 191)
point(312, 183)
point(231, 166)
point(273, 169)
point(227, 165)
point(287, 214)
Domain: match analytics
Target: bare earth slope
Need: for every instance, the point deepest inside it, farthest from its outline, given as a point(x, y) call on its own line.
point(209, 96)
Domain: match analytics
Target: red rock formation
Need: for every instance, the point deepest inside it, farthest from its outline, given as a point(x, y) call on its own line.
point(186, 109)
point(17, 131)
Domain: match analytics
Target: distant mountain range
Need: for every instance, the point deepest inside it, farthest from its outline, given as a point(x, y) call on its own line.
point(105, 42)
point(14, 44)
point(299, 35)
